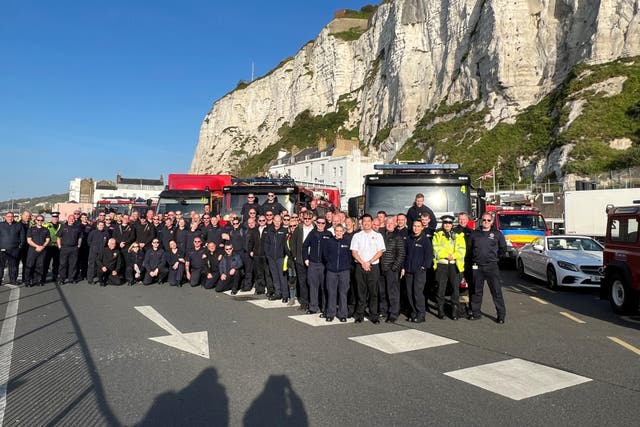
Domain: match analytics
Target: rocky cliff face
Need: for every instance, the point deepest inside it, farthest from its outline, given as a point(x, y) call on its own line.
point(417, 55)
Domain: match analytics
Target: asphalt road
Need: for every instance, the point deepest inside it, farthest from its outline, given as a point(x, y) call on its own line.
point(82, 356)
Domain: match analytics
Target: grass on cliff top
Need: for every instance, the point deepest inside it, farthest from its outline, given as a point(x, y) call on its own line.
point(305, 132)
point(463, 138)
point(365, 12)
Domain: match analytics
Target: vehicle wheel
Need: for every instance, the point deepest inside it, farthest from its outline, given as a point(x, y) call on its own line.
point(622, 298)
point(520, 268)
point(552, 278)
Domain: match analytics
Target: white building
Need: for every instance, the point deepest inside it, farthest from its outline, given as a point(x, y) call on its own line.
point(342, 165)
point(132, 188)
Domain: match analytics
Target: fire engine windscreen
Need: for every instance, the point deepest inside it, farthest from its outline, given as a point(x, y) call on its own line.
point(234, 202)
point(520, 221)
point(441, 199)
point(183, 205)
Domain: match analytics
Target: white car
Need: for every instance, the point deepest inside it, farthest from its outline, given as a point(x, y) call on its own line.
point(567, 260)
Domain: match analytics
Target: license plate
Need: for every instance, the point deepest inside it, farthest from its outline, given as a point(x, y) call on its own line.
point(596, 279)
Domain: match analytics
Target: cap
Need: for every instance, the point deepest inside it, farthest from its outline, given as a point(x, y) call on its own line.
point(447, 219)
point(55, 214)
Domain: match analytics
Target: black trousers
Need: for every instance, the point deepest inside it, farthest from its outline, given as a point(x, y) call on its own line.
point(279, 285)
point(230, 283)
point(367, 289)
point(174, 277)
point(24, 253)
point(9, 258)
point(315, 279)
point(490, 273)
point(83, 261)
point(247, 279)
point(197, 274)
point(68, 262)
point(337, 288)
point(162, 275)
point(108, 278)
point(51, 258)
point(303, 284)
point(415, 293)
point(261, 273)
point(34, 266)
point(390, 294)
point(447, 274)
point(91, 264)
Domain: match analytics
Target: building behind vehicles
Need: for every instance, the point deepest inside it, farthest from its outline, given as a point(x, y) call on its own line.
point(585, 211)
point(192, 192)
point(519, 227)
point(393, 191)
point(621, 258)
point(290, 194)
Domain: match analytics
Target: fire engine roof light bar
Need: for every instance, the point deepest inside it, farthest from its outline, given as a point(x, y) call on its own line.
point(418, 167)
point(263, 180)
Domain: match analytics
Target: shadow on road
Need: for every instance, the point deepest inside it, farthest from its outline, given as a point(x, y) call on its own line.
point(203, 402)
point(277, 405)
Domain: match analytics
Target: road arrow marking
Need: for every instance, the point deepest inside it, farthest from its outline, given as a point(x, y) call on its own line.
point(192, 342)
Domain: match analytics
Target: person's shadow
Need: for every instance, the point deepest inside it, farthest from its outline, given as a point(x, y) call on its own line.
point(204, 402)
point(277, 405)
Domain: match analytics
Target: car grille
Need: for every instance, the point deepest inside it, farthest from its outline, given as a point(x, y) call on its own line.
point(592, 270)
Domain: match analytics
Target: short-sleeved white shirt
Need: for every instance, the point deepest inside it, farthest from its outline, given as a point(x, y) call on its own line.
point(367, 244)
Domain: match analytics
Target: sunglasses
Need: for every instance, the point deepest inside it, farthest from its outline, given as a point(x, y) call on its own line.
point(486, 220)
point(39, 220)
point(262, 220)
point(321, 223)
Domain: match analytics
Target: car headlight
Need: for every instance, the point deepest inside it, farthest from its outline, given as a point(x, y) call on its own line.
point(567, 266)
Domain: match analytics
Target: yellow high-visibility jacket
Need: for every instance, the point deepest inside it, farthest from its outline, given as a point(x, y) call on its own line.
point(442, 247)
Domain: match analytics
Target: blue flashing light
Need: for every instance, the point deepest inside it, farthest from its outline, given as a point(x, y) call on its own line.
point(418, 167)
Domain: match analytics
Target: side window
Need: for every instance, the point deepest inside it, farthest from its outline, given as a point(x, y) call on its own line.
point(624, 230)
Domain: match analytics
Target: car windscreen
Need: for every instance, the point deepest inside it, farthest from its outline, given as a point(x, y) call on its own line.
point(521, 222)
point(573, 244)
point(394, 199)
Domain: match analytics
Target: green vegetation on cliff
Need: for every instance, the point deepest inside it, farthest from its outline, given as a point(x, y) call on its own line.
point(457, 134)
point(305, 131)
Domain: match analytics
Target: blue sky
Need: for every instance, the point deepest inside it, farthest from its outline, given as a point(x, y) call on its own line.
point(91, 89)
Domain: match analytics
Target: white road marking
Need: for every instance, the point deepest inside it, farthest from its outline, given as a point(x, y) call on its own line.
point(517, 379)
point(540, 300)
point(6, 345)
point(192, 342)
point(265, 303)
point(316, 320)
point(572, 317)
point(241, 294)
point(527, 288)
point(625, 345)
point(402, 341)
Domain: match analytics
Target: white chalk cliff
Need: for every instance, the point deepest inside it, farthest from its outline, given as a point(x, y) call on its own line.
point(504, 54)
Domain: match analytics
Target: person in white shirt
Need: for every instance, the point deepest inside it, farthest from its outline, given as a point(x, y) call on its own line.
point(367, 247)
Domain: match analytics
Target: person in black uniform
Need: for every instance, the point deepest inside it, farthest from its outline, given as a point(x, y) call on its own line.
point(109, 263)
point(275, 245)
point(418, 261)
point(97, 241)
point(295, 244)
point(25, 222)
point(336, 254)
point(195, 263)
point(391, 263)
point(246, 259)
point(134, 269)
point(230, 268)
point(155, 264)
point(415, 212)
point(83, 252)
point(466, 285)
point(312, 256)
point(37, 239)
point(69, 240)
point(11, 237)
point(145, 233)
point(252, 203)
point(262, 276)
point(212, 265)
point(175, 261)
point(272, 204)
point(166, 233)
point(124, 233)
point(487, 246)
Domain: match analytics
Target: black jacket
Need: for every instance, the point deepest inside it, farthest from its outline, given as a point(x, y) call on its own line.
point(124, 233)
point(393, 257)
point(419, 254)
point(275, 242)
point(154, 259)
point(97, 240)
point(487, 246)
point(337, 254)
point(312, 246)
point(415, 213)
point(109, 258)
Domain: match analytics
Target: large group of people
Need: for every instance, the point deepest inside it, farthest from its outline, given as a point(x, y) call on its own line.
point(374, 267)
